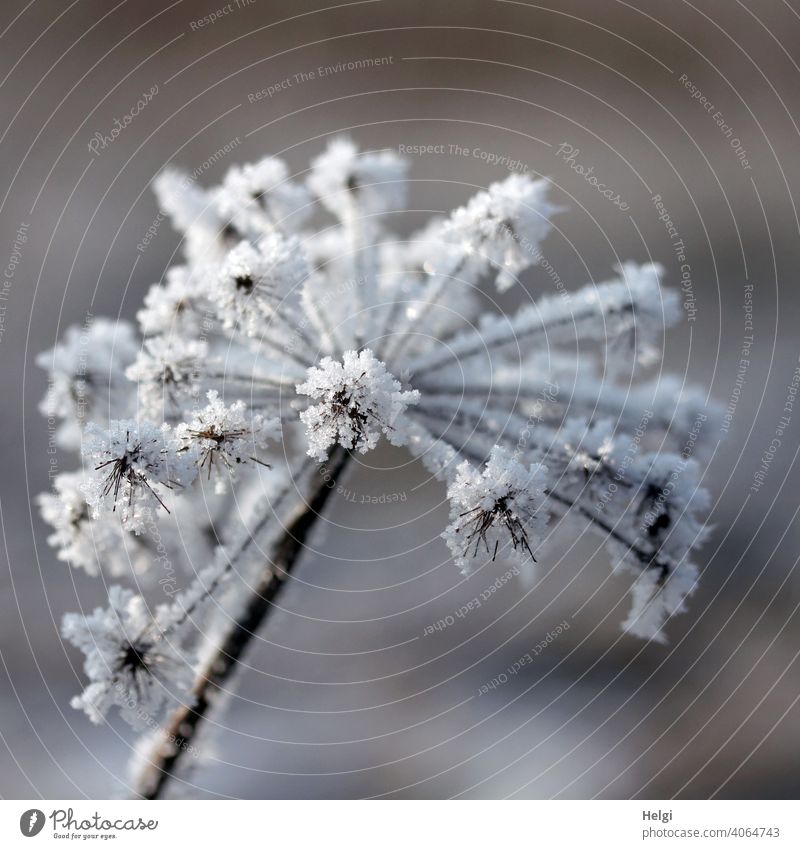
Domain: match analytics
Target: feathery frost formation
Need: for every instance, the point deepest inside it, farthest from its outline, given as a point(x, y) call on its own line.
point(298, 316)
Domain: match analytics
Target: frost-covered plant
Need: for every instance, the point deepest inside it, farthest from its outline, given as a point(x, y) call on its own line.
point(332, 337)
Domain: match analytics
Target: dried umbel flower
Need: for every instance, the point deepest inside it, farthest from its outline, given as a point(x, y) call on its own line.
point(333, 340)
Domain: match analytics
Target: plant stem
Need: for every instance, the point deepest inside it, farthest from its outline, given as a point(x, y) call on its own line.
point(174, 737)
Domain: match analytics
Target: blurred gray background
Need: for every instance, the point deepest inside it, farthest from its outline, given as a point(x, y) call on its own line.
point(344, 696)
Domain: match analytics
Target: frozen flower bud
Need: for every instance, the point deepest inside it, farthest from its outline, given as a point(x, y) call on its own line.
point(93, 545)
point(68, 513)
point(358, 401)
point(255, 279)
point(167, 371)
point(588, 445)
point(223, 438)
point(87, 375)
point(129, 661)
point(259, 197)
point(133, 462)
point(496, 512)
point(653, 537)
point(171, 308)
point(192, 213)
point(503, 226)
point(352, 184)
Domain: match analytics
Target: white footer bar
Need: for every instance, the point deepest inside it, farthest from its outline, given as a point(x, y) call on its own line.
point(401, 824)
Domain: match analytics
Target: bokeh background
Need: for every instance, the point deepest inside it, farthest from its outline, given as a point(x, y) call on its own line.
point(343, 695)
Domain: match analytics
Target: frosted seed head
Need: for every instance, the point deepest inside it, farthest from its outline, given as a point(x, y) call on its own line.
point(133, 463)
point(350, 183)
point(191, 211)
point(497, 512)
point(171, 308)
point(225, 438)
point(503, 226)
point(358, 400)
point(128, 661)
point(166, 372)
point(260, 197)
point(86, 370)
point(255, 279)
